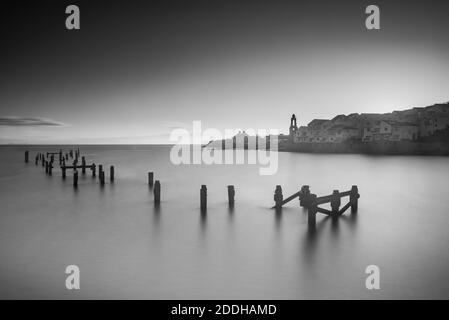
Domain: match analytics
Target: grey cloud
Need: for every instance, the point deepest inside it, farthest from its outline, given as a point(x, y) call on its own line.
point(34, 122)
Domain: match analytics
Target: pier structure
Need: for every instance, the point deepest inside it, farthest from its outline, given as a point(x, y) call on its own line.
point(311, 202)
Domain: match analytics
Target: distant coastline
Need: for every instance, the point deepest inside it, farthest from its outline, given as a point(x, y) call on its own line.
point(379, 148)
point(416, 131)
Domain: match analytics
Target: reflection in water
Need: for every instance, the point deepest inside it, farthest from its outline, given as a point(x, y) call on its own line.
point(230, 213)
point(350, 219)
point(278, 218)
point(311, 238)
point(314, 231)
point(335, 224)
point(203, 220)
point(156, 213)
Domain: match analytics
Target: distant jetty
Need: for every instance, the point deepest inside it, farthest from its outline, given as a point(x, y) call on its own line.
point(416, 131)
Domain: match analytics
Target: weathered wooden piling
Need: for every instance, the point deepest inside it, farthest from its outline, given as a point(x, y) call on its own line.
point(43, 161)
point(312, 210)
point(157, 192)
point(305, 193)
point(101, 177)
point(267, 144)
point(36, 160)
point(150, 178)
point(335, 202)
point(75, 179)
point(63, 169)
point(94, 173)
point(278, 197)
point(111, 174)
point(203, 197)
point(353, 198)
point(46, 167)
point(26, 156)
point(50, 167)
point(231, 194)
point(101, 174)
point(71, 153)
point(83, 164)
point(67, 157)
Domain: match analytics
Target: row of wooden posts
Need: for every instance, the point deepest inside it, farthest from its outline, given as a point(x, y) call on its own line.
point(307, 199)
point(48, 159)
point(154, 184)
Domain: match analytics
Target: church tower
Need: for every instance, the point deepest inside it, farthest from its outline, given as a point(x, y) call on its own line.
point(293, 128)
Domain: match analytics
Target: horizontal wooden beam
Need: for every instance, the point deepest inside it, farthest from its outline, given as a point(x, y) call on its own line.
point(323, 211)
point(326, 199)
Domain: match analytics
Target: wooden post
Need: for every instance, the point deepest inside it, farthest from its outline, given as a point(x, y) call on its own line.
point(305, 193)
point(157, 192)
point(101, 177)
point(100, 174)
point(234, 142)
point(335, 202)
point(278, 197)
point(36, 160)
point(83, 165)
point(231, 194)
point(111, 174)
point(60, 156)
point(46, 166)
point(67, 157)
point(353, 198)
point(267, 146)
point(223, 144)
point(50, 167)
point(63, 171)
point(71, 153)
point(26, 156)
point(43, 161)
point(203, 197)
point(311, 214)
point(257, 142)
point(93, 169)
point(150, 179)
point(75, 179)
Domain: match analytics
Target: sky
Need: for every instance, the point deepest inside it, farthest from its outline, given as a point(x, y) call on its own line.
point(136, 70)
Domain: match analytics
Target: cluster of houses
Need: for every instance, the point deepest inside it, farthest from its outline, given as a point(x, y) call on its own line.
point(395, 126)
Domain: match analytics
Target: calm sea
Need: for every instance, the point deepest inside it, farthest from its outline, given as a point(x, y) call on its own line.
point(127, 248)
